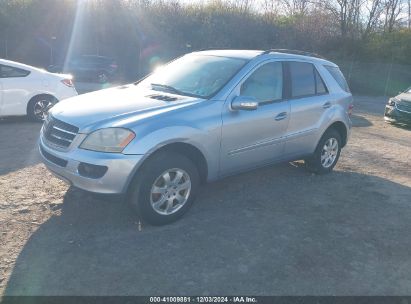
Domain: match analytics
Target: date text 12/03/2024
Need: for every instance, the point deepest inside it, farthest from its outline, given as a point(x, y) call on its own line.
point(204, 299)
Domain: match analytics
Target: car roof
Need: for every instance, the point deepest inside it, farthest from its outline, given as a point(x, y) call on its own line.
point(252, 54)
point(20, 65)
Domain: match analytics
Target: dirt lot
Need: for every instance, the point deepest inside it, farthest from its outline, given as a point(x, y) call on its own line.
point(274, 231)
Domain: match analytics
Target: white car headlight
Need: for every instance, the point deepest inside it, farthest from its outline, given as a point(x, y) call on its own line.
point(112, 140)
point(392, 101)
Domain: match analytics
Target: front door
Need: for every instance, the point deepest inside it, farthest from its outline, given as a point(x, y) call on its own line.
point(253, 138)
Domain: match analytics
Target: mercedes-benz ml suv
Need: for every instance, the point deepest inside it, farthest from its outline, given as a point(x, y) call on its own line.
point(199, 118)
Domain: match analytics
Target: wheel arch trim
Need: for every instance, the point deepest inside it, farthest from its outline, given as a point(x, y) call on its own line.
point(192, 151)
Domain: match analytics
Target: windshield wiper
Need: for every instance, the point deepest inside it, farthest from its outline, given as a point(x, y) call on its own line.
point(167, 87)
point(173, 90)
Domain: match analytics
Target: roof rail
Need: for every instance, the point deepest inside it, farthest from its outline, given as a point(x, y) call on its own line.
point(294, 52)
point(213, 49)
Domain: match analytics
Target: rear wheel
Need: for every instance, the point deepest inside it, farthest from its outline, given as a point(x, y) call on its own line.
point(102, 77)
point(326, 154)
point(39, 106)
point(165, 188)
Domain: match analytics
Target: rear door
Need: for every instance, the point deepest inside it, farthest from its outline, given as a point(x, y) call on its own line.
point(309, 101)
point(253, 138)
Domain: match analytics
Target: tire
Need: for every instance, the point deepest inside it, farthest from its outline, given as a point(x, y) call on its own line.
point(38, 107)
point(149, 188)
point(323, 162)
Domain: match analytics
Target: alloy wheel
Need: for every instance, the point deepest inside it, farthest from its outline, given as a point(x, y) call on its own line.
point(329, 152)
point(41, 108)
point(170, 191)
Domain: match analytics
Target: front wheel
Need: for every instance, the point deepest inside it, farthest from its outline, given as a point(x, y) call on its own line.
point(164, 188)
point(326, 154)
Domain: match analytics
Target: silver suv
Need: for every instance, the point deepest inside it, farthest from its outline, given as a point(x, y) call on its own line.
point(199, 118)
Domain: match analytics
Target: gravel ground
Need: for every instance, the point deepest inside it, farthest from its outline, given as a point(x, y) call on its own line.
point(273, 231)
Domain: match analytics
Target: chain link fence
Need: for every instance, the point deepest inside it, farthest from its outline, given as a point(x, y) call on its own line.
point(376, 79)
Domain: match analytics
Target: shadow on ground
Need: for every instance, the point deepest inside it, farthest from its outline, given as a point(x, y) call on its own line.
point(258, 233)
point(360, 121)
point(18, 142)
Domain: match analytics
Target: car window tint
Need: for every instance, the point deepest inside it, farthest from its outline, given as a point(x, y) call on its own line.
point(321, 89)
point(338, 76)
point(266, 83)
point(302, 79)
point(10, 72)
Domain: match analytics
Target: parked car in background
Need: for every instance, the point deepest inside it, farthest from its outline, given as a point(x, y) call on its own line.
point(398, 108)
point(203, 116)
point(26, 90)
point(92, 68)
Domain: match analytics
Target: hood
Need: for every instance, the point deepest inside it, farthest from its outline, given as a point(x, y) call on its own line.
point(110, 107)
point(404, 96)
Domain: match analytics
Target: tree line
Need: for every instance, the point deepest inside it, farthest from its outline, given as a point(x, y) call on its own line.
point(143, 33)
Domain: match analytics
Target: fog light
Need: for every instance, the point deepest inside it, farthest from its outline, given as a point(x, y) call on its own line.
point(91, 171)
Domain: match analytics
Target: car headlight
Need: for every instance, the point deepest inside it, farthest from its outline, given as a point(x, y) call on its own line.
point(112, 140)
point(392, 101)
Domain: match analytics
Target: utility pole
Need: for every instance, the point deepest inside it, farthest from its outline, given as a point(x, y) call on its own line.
point(52, 39)
point(409, 14)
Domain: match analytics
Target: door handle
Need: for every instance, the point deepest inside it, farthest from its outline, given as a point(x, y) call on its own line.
point(281, 116)
point(327, 105)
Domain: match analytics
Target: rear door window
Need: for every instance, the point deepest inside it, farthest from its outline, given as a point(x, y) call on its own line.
point(302, 79)
point(305, 80)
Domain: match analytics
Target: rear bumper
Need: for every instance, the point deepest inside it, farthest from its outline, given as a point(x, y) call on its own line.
point(392, 114)
point(119, 168)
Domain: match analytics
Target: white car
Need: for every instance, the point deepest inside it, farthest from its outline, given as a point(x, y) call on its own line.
point(26, 90)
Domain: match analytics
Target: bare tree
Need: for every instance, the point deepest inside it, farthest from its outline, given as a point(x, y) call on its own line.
point(392, 10)
point(347, 12)
point(295, 7)
point(243, 6)
point(270, 9)
point(375, 10)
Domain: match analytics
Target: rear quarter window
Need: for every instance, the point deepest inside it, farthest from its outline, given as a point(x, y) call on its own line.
point(338, 76)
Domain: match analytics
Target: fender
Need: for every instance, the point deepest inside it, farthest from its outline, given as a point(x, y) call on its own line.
point(208, 143)
point(337, 114)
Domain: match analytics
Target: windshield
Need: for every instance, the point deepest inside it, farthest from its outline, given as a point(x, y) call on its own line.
point(194, 75)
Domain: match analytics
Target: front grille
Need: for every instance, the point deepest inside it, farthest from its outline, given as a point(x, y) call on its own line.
point(59, 133)
point(404, 105)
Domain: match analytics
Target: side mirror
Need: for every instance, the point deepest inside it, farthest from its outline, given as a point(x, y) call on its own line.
point(246, 103)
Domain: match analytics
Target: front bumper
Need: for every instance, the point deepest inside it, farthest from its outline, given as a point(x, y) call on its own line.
point(392, 114)
point(65, 165)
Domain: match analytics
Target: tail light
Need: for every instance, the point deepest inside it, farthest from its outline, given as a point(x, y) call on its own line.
point(350, 109)
point(68, 82)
